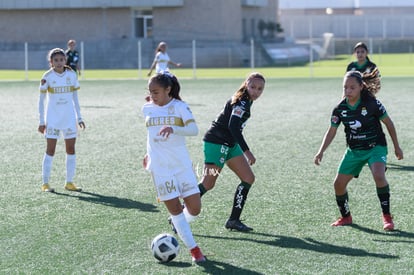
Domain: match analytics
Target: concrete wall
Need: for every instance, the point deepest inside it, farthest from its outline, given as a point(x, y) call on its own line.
point(210, 20)
point(63, 24)
point(85, 4)
point(107, 29)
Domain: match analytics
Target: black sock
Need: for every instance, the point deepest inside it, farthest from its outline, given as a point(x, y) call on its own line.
point(240, 197)
point(384, 197)
point(342, 202)
point(202, 189)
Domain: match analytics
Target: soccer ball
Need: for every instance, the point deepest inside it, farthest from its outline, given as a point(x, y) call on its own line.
point(165, 247)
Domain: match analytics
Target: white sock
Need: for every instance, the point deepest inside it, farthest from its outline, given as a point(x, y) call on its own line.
point(46, 168)
point(189, 218)
point(70, 167)
point(184, 230)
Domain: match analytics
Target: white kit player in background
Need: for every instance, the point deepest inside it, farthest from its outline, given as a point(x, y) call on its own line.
point(59, 114)
point(162, 60)
point(168, 120)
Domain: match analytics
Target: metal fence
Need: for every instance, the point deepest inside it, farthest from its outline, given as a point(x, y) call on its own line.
point(138, 54)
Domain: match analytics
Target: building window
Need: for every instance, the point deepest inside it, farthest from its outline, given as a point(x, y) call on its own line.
point(143, 23)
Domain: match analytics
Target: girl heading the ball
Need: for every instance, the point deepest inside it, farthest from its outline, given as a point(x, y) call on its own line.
point(169, 120)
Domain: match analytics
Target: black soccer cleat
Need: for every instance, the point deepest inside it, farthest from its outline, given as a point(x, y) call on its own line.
point(237, 225)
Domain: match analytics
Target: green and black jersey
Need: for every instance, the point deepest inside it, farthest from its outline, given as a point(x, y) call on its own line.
point(362, 122)
point(72, 59)
point(227, 128)
point(367, 67)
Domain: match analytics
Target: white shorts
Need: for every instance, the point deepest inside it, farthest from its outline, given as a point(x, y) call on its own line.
point(178, 185)
point(55, 133)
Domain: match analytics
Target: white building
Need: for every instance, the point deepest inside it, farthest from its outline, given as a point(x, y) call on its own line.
point(349, 19)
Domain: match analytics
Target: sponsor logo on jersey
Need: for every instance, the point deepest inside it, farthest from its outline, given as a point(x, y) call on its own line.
point(355, 124)
point(343, 113)
point(381, 107)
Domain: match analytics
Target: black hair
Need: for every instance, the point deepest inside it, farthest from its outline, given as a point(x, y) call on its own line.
point(165, 80)
point(361, 45)
point(365, 92)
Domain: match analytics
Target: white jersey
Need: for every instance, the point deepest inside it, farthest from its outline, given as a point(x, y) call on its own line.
point(162, 60)
point(167, 155)
point(59, 93)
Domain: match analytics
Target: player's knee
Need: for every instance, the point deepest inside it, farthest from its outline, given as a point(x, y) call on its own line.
point(249, 179)
point(194, 211)
point(209, 183)
point(70, 150)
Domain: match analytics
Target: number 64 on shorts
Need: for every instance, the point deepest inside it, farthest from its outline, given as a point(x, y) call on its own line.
point(166, 188)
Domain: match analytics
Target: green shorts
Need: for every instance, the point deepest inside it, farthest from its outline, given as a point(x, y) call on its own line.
point(218, 154)
point(354, 160)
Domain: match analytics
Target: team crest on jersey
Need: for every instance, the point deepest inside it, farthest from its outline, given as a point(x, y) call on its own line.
point(364, 111)
point(238, 111)
point(171, 110)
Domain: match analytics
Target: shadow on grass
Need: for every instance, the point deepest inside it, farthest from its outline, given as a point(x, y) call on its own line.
point(398, 167)
point(176, 264)
point(394, 233)
point(110, 201)
point(216, 267)
point(213, 267)
point(306, 244)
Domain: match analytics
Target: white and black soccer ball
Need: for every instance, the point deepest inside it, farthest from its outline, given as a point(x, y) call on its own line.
point(165, 247)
